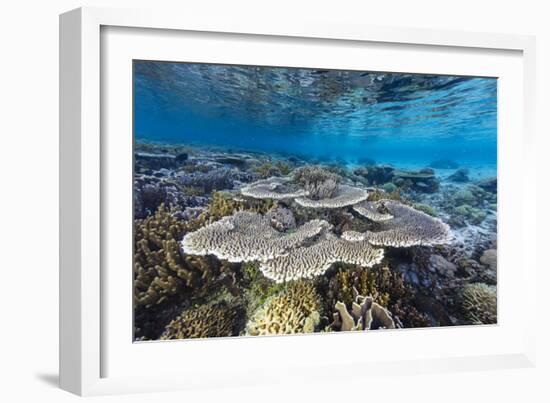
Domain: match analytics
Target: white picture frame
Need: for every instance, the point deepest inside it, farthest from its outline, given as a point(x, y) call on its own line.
point(86, 192)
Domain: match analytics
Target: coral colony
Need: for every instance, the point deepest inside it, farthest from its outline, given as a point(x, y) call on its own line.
point(230, 241)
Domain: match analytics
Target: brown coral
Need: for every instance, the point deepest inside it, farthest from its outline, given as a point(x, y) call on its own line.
point(479, 303)
point(385, 286)
point(161, 270)
point(214, 320)
point(294, 310)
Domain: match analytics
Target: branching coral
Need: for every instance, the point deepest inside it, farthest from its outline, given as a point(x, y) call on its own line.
point(273, 188)
point(247, 236)
point(294, 310)
point(223, 204)
point(160, 269)
point(479, 303)
point(314, 260)
point(319, 183)
point(386, 287)
point(214, 320)
point(342, 196)
point(408, 227)
point(365, 315)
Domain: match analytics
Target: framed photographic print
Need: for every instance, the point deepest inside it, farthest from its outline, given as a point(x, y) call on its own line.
point(236, 199)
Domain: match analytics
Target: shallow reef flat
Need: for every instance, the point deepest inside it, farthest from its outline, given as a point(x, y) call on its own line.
point(239, 243)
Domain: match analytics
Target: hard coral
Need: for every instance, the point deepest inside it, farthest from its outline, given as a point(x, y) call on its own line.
point(314, 260)
point(161, 269)
point(273, 188)
point(479, 303)
point(213, 320)
point(293, 310)
point(247, 236)
point(408, 227)
point(365, 315)
point(385, 286)
point(319, 183)
point(342, 196)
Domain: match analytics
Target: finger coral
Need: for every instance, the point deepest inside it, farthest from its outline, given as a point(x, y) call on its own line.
point(314, 260)
point(408, 227)
point(365, 315)
point(386, 287)
point(213, 320)
point(160, 269)
point(479, 303)
point(293, 310)
point(247, 236)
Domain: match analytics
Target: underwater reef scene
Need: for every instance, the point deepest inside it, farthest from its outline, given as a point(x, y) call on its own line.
point(271, 201)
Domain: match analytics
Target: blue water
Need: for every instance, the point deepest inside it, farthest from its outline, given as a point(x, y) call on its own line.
point(318, 114)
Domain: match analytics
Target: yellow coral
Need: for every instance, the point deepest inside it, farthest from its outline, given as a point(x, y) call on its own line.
point(293, 310)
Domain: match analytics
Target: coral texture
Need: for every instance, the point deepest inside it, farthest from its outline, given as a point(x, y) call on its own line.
point(273, 188)
point(318, 182)
point(293, 310)
point(247, 236)
point(214, 320)
point(409, 227)
point(372, 211)
point(479, 303)
point(314, 260)
point(386, 287)
point(160, 269)
point(342, 196)
point(365, 315)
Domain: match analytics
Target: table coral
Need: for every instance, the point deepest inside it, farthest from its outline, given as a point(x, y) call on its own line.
point(343, 195)
point(247, 236)
point(408, 227)
point(314, 260)
point(273, 188)
point(293, 310)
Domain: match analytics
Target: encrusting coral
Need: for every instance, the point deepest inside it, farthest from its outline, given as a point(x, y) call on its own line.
point(293, 310)
point(314, 260)
point(365, 315)
point(247, 236)
point(213, 320)
point(479, 303)
point(408, 227)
